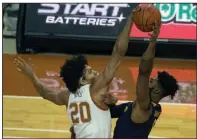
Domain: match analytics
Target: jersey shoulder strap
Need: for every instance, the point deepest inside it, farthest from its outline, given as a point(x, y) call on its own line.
point(156, 109)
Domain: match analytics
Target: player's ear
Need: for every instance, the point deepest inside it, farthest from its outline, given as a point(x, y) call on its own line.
point(82, 81)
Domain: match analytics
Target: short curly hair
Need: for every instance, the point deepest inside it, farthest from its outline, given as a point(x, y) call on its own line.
point(72, 71)
point(168, 83)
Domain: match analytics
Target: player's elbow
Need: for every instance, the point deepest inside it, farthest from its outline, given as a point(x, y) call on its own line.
point(53, 99)
point(59, 103)
point(145, 67)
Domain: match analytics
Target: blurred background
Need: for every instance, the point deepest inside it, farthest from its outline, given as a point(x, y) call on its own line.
point(47, 34)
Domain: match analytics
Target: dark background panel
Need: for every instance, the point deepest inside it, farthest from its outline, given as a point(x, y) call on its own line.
point(38, 41)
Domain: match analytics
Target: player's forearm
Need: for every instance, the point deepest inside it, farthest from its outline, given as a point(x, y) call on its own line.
point(147, 59)
point(40, 88)
point(122, 42)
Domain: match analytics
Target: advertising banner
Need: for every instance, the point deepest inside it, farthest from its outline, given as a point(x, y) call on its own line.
point(178, 22)
point(123, 86)
point(92, 20)
point(106, 20)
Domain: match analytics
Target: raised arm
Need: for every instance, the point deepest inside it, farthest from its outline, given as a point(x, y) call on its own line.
point(57, 97)
point(145, 69)
point(119, 51)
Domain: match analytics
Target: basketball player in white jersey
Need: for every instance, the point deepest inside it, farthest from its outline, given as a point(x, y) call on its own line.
point(86, 89)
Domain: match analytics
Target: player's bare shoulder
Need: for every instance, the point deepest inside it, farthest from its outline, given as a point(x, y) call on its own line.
point(98, 96)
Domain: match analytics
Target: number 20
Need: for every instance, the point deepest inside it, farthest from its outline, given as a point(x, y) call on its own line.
point(78, 108)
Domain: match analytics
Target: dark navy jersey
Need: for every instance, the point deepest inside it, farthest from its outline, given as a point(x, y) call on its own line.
point(126, 128)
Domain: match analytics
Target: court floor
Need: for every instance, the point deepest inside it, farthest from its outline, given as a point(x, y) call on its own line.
point(33, 117)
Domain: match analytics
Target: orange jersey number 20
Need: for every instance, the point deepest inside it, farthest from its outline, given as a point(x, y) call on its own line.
point(83, 109)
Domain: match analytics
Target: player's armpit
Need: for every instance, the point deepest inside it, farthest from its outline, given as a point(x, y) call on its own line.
point(142, 91)
point(110, 100)
point(117, 110)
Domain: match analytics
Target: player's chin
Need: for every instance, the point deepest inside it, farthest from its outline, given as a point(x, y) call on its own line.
point(93, 79)
point(95, 76)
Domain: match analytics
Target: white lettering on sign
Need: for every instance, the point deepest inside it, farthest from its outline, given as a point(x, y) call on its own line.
point(83, 14)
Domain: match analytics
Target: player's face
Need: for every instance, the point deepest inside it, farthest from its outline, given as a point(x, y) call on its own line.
point(90, 74)
point(155, 90)
point(153, 82)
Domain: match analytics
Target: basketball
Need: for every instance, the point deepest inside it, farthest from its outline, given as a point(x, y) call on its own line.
point(145, 17)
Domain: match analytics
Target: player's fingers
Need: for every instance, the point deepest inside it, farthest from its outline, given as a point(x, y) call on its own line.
point(21, 59)
point(135, 10)
point(150, 34)
point(138, 8)
point(19, 69)
point(16, 61)
point(156, 24)
point(157, 27)
point(19, 66)
point(155, 30)
point(153, 27)
point(29, 63)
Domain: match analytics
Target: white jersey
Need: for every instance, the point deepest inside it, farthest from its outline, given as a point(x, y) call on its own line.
point(89, 121)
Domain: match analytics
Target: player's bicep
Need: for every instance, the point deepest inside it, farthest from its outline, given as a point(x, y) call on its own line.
point(142, 91)
point(58, 98)
point(117, 110)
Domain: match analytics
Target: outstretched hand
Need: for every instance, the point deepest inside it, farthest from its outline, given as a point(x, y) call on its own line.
point(24, 67)
point(156, 30)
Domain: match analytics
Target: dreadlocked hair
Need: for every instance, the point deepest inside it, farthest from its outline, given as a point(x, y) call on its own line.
point(168, 83)
point(72, 71)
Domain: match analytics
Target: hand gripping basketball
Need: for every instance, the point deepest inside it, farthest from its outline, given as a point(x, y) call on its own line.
point(156, 30)
point(145, 17)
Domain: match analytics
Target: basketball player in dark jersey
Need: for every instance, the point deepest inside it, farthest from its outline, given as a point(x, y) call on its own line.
point(136, 119)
